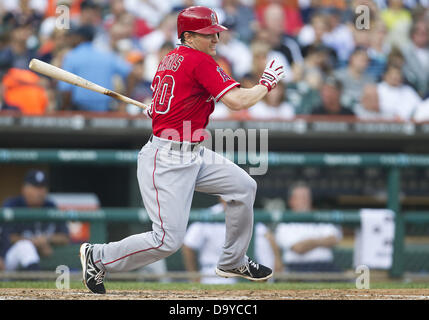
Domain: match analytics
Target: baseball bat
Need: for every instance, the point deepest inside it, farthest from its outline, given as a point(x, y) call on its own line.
point(63, 75)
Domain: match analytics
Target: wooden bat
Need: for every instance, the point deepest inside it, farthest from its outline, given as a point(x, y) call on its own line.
point(60, 74)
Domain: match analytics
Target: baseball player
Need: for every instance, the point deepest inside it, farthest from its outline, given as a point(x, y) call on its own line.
point(173, 163)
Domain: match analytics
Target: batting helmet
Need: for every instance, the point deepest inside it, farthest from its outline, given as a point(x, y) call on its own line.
point(198, 19)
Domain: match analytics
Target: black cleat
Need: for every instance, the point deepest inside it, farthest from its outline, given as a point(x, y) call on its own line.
point(251, 271)
point(93, 277)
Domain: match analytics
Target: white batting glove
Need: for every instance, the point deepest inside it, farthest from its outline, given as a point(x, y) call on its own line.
point(273, 73)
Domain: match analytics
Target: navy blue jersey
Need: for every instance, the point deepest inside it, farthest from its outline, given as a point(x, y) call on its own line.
point(29, 229)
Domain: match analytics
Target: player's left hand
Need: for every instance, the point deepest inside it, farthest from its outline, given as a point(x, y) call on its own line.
point(273, 73)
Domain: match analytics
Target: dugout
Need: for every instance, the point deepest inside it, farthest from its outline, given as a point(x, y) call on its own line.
point(348, 164)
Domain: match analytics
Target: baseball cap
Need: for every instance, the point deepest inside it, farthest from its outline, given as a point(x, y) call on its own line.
point(85, 31)
point(36, 178)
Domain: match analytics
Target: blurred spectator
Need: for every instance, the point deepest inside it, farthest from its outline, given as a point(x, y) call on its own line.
point(317, 65)
point(120, 39)
point(339, 36)
point(117, 9)
point(119, 13)
point(314, 31)
point(395, 14)
point(331, 99)
point(30, 240)
point(395, 58)
point(203, 245)
point(416, 54)
point(235, 51)
point(392, 90)
point(141, 88)
point(202, 248)
point(354, 77)
point(273, 106)
point(283, 46)
point(97, 66)
point(22, 91)
point(422, 111)
point(165, 32)
point(259, 51)
point(54, 47)
point(340, 5)
point(241, 16)
point(151, 11)
point(304, 91)
point(307, 247)
point(378, 50)
point(412, 4)
point(303, 97)
point(91, 14)
point(326, 41)
point(19, 6)
point(152, 60)
point(289, 9)
point(312, 36)
point(19, 50)
point(398, 21)
point(369, 106)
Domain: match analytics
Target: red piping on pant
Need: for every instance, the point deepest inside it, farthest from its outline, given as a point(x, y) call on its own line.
point(159, 215)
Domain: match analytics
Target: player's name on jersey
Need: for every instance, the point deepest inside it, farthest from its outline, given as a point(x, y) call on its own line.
point(171, 62)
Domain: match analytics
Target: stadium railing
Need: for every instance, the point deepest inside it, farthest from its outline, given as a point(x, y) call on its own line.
point(392, 162)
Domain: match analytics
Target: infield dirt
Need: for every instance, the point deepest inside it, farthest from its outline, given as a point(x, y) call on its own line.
point(326, 294)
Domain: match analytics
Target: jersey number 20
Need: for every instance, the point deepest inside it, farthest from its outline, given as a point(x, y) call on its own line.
point(163, 94)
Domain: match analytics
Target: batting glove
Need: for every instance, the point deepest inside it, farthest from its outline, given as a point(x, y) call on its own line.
point(273, 73)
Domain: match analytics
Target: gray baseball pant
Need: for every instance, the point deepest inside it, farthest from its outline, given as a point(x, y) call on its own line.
point(167, 180)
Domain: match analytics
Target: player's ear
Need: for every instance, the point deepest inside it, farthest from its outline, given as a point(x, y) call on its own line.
point(187, 36)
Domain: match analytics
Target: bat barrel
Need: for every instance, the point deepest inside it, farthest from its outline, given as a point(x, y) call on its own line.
point(63, 75)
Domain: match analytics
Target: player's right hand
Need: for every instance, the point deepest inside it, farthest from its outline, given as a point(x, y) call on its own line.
point(273, 73)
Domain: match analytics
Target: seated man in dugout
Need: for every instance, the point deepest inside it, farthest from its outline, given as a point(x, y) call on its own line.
point(306, 247)
point(28, 241)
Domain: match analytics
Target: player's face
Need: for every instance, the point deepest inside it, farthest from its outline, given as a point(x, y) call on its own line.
point(205, 43)
point(300, 200)
point(34, 196)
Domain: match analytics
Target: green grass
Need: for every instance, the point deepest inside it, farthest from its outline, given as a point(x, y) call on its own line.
point(120, 285)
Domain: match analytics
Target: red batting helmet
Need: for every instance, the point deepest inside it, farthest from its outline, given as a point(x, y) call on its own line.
point(198, 19)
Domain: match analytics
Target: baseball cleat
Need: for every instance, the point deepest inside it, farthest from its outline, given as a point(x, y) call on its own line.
point(93, 277)
point(251, 271)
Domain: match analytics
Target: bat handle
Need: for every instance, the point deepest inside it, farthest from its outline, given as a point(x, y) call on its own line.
point(125, 99)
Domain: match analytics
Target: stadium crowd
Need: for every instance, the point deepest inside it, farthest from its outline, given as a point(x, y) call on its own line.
point(338, 61)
